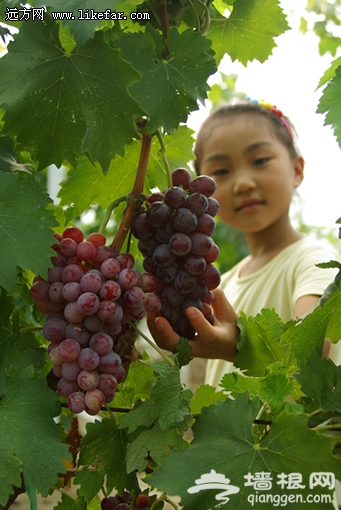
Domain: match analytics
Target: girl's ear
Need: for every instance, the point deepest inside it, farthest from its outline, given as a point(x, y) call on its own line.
point(299, 171)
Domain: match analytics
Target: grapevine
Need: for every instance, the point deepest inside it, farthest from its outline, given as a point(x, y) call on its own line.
point(109, 101)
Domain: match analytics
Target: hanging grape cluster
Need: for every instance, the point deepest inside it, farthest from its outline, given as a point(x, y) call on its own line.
point(174, 231)
point(124, 501)
point(88, 298)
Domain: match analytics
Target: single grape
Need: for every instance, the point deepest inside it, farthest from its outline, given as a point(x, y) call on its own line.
point(107, 384)
point(171, 296)
point(158, 214)
point(163, 256)
point(72, 273)
point(203, 184)
point(184, 221)
point(194, 264)
point(91, 282)
point(201, 244)
point(175, 197)
point(141, 228)
point(180, 244)
point(39, 291)
point(97, 239)
point(72, 314)
point(197, 203)
point(69, 350)
point(126, 260)
point(86, 251)
point(68, 247)
point(127, 278)
point(56, 292)
point(65, 387)
point(54, 274)
point(54, 330)
point(167, 274)
point(71, 291)
point(70, 371)
point(109, 363)
point(74, 233)
point(181, 177)
point(76, 403)
point(206, 224)
point(109, 311)
point(151, 302)
point(110, 290)
point(142, 501)
point(93, 323)
point(88, 379)
point(213, 206)
point(109, 503)
point(94, 400)
point(101, 343)
point(110, 267)
point(184, 282)
point(210, 277)
point(88, 359)
point(78, 332)
point(88, 303)
point(134, 297)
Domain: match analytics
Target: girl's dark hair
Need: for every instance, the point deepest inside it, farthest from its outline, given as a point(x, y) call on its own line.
point(285, 135)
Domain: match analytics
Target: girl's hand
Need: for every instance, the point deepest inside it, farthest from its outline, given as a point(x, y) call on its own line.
point(212, 342)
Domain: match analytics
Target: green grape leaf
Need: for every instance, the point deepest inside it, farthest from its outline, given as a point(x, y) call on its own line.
point(136, 386)
point(272, 389)
point(90, 481)
point(205, 396)
point(320, 380)
point(259, 343)
point(9, 475)
point(27, 429)
point(141, 416)
point(170, 402)
point(13, 347)
point(223, 442)
point(170, 87)
point(155, 444)
point(104, 449)
point(330, 103)
point(76, 103)
point(86, 185)
point(184, 351)
point(330, 73)
point(248, 33)
point(25, 227)
point(69, 503)
point(81, 29)
point(179, 152)
point(306, 335)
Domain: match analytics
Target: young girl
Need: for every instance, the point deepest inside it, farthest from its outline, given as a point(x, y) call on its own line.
point(249, 150)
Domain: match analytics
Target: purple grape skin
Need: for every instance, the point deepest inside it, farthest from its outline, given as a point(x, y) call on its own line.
point(184, 221)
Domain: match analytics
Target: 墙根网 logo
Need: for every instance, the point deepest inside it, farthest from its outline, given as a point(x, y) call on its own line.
point(214, 480)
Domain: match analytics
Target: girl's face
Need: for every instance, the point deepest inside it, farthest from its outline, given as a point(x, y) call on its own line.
point(254, 172)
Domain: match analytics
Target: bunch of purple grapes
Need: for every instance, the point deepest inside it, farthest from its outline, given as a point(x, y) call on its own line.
point(88, 298)
point(174, 235)
point(123, 502)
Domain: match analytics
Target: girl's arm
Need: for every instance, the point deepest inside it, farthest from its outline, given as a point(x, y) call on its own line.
point(213, 342)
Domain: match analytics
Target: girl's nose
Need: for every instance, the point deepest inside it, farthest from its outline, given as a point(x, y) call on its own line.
point(243, 183)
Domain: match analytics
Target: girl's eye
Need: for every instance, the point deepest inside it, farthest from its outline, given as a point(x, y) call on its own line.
point(260, 161)
point(220, 172)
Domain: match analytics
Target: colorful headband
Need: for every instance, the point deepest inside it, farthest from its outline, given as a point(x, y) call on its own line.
point(273, 109)
point(280, 115)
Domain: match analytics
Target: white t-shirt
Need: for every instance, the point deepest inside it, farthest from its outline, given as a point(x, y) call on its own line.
point(279, 284)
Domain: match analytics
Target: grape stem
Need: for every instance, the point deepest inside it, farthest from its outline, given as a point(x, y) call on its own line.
point(152, 344)
point(163, 497)
point(109, 211)
point(133, 205)
point(163, 154)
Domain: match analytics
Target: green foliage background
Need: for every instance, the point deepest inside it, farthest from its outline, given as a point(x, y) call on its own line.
point(70, 93)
